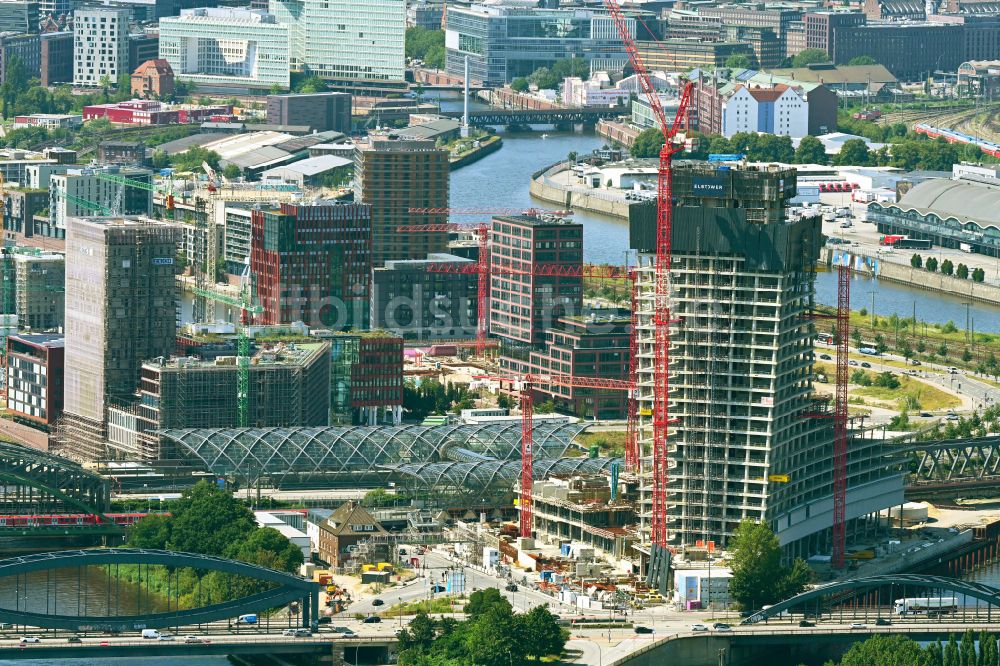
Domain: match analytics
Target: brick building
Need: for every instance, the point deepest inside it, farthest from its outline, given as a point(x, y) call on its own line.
point(322, 112)
point(153, 78)
point(344, 530)
point(56, 58)
point(35, 378)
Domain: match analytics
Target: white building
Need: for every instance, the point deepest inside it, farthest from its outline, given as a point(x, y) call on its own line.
point(79, 192)
point(596, 91)
point(226, 47)
point(702, 588)
point(780, 110)
point(100, 45)
point(346, 40)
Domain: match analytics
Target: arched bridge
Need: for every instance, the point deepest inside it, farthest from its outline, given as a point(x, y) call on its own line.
point(35, 482)
point(285, 588)
point(929, 585)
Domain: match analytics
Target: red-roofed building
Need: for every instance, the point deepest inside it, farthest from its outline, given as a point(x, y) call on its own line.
point(151, 112)
point(153, 78)
point(778, 109)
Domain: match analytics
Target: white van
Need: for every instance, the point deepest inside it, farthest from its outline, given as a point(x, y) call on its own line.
point(150, 633)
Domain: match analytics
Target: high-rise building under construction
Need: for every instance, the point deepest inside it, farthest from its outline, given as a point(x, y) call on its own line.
point(750, 440)
point(120, 311)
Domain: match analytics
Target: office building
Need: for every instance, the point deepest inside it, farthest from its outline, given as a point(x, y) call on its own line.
point(123, 153)
point(394, 175)
point(142, 47)
point(366, 378)
point(427, 14)
point(84, 191)
point(56, 58)
point(35, 378)
point(417, 303)
point(741, 367)
point(821, 28)
point(322, 112)
point(768, 50)
point(112, 330)
point(40, 291)
point(57, 10)
point(685, 53)
point(223, 48)
point(288, 386)
point(100, 45)
point(345, 41)
point(25, 48)
point(19, 16)
point(312, 263)
point(777, 17)
point(504, 42)
point(910, 51)
point(525, 302)
point(20, 208)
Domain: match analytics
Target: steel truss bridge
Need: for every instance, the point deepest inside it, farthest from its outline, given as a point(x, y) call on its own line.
point(531, 117)
point(945, 465)
point(32, 572)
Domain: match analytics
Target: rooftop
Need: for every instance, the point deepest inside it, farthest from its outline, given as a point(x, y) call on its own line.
point(280, 354)
point(313, 166)
point(50, 340)
point(963, 199)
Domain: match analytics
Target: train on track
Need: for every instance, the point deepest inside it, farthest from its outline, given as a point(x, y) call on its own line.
point(951, 136)
point(67, 519)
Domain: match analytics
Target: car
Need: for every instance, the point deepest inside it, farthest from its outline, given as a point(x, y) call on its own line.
point(639, 629)
point(166, 637)
point(806, 623)
point(858, 625)
point(698, 627)
point(377, 602)
point(951, 417)
point(303, 633)
point(372, 619)
point(288, 632)
point(926, 415)
point(915, 362)
point(866, 364)
point(438, 588)
point(349, 634)
point(721, 626)
point(826, 357)
point(193, 639)
point(852, 362)
point(952, 371)
point(74, 639)
point(326, 619)
point(31, 639)
point(883, 622)
point(511, 587)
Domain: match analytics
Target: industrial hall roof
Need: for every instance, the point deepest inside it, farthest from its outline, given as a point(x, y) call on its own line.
point(961, 199)
point(338, 453)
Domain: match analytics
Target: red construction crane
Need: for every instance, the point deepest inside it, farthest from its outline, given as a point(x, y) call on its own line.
point(672, 144)
point(482, 268)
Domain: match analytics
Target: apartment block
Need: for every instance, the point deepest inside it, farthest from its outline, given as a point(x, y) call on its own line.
point(742, 288)
point(322, 112)
point(312, 263)
point(100, 45)
point(681, 54)
point(288, 386)
point(366, 378)
point(503, 42)
point(78, 192)
point(225, 47)
point(56, 57)
point(35, 378)
point(25, 48)
point(394, 175)
point(120, 311)
point(415, 302)
point(21, 206)
point(345, 41)
point(40, 291)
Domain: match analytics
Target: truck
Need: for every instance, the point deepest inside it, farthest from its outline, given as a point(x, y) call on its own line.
point(904, 242)
point(247, 619)
point(925, 605)
point(890, 239)
point(965, 247)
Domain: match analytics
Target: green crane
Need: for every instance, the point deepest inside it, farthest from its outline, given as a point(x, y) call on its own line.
point(84, 203)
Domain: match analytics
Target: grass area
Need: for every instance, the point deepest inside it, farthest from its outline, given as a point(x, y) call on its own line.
point(438, 605)
point(929, 397)
point(612, 443)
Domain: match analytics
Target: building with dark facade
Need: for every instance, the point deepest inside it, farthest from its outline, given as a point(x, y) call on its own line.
point(395, 175)
point(777, 18)
point(821, 28)
point(35, 378)
point(125, 153)
point(20, 16)
point(894, 10)
point(20, 208)
point(56, 60)
point(366, 378)
point(682, 54)
point(40, 291)
point(320, 111)
point(909, 50)
point(313, 263)
point(26, 48)
point(417, 303)
point(141, 48)
point(768, 50)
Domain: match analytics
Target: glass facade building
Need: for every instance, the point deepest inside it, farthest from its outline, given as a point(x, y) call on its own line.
point(346, 40)
point(504, 43)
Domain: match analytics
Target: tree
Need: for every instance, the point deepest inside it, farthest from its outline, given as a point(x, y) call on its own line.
point(943, 350)
point(647, 143)
point(862, 60)
point(419, 634)
point(771, 148)
point(520, 84)
point(572, 156)
point(947, 267)
point(810, 56)
point(951, 654)
point(232, 172)
point(962, 272)
point(759, 578)
point(854, 152)
point(882, 650)
point(483, 600)
point(886, 380)
point(208, 519)
point(978, 275)
point(738, 61)
point(496, 638)
point(419, 41)
point(269, 548)
point(856, 336)
point(153, 531)
point(905, 350)
point(810, 151)
point(916, 261)
point(543, 636)
point(931, 264)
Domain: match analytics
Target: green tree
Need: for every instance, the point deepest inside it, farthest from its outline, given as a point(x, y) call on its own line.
point(520, 84)
point(419, 634)
point(856, 336)
point(232, 172)
point(966, 355)
point(268, 547)
point(810, 151)
point(771, 148)
point(435, 56)
point(153, 531)
point(718, 145)
point(882, 650)
point(967, 649)
point(483, 600)
point(648, 143)
point(916, 261)
point(951, 654)
point(905, 350)
point(854, 152)
point(208, 519)
point(810, 56)
point(542, 634)
point(862, 60)
point(931, 264)
point(886, 380)
point(978, 275)
point(758, 577)
point(418, 41)
point(962, 272)
point(943, 350)
point(947, 267)
point(738, 61)
point(496, 638)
